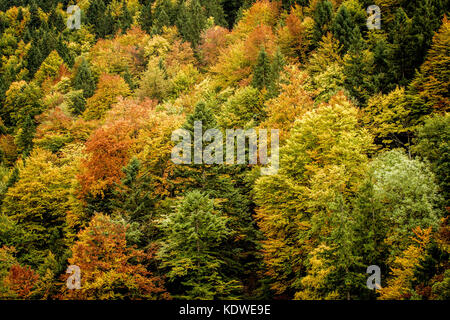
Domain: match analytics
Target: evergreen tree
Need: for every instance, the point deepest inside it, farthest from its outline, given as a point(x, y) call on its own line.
point(135, 200)
point(192, 249)
point(191, 21)
point(125, 19)
point(227, 183)
point(323, 16)
point(344, 28)
point(358, 70)
point(146, 17)
point(84, 80)
point(262, 74)
point(277, 66)
point(24, 137)
point(163, 15)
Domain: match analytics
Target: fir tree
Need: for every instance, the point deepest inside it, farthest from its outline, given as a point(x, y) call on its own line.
point(344, 28)
point(192, 249)
point(191, 21)
point(262, 74)
point(146, 18)
point(24, 137)
point(84, 80)
point(322, 15)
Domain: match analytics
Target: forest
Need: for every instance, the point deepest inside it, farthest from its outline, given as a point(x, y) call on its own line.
point(93, 207)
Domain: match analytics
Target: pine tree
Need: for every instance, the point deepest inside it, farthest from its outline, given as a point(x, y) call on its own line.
point(262, 74)
point(125, 19)
point(135, 200)
point(191, 21)
point(344, 28)
point(84, 80)
point(146, 18)
point(192, 249)
point(223, 182)
point(24, 137)
point(276, 68)
point(163, 16)
point(323, 16)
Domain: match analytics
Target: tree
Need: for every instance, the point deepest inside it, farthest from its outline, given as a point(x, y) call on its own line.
point(213, 40)
point(21, 282)
point(323, 16)
point(429, 90)
point(191, 21)
point(262, 74)
point(409, 195)
point(325, 67)
point(49, 67)
point(344, 28)
point(191, 249)
point(388, 117)
point(22, 100)
point(358, 66)
point(432, 144)
point(325, 155)
point(163, 15)
point(24, 137)
point(135, 200)
point(146, 17)
point(399, 286)
point(244, 109)
point(110, 269)
point(109, 88)
point(125, 19)
point(291, 104)
point(228, 185)
point(84, 79)
point(39, 203)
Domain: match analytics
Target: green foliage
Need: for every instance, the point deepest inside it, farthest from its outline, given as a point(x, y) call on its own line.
point(191, 21)
point(84, 79)
point(191, 249)
point(433, 145)
point(86, 175)
point(323, 16)
point(38, 204)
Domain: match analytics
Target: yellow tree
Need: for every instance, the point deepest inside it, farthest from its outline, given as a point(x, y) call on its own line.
point(399, 287)
point(325, 155)
point(109, 88)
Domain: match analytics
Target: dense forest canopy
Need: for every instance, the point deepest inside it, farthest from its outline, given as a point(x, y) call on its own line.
point(90, 99)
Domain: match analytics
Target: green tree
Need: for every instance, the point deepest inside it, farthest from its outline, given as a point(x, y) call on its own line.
point(344, 28)
point(38, 203)
point(323, 16)
point(22, 99)
point(191, 21)
point(192, 249)
point(432, 144)
point(262, 74)
point(24, 137)
point(84, 79)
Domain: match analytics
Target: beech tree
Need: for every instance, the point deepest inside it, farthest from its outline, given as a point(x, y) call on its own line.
point(110, 269)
